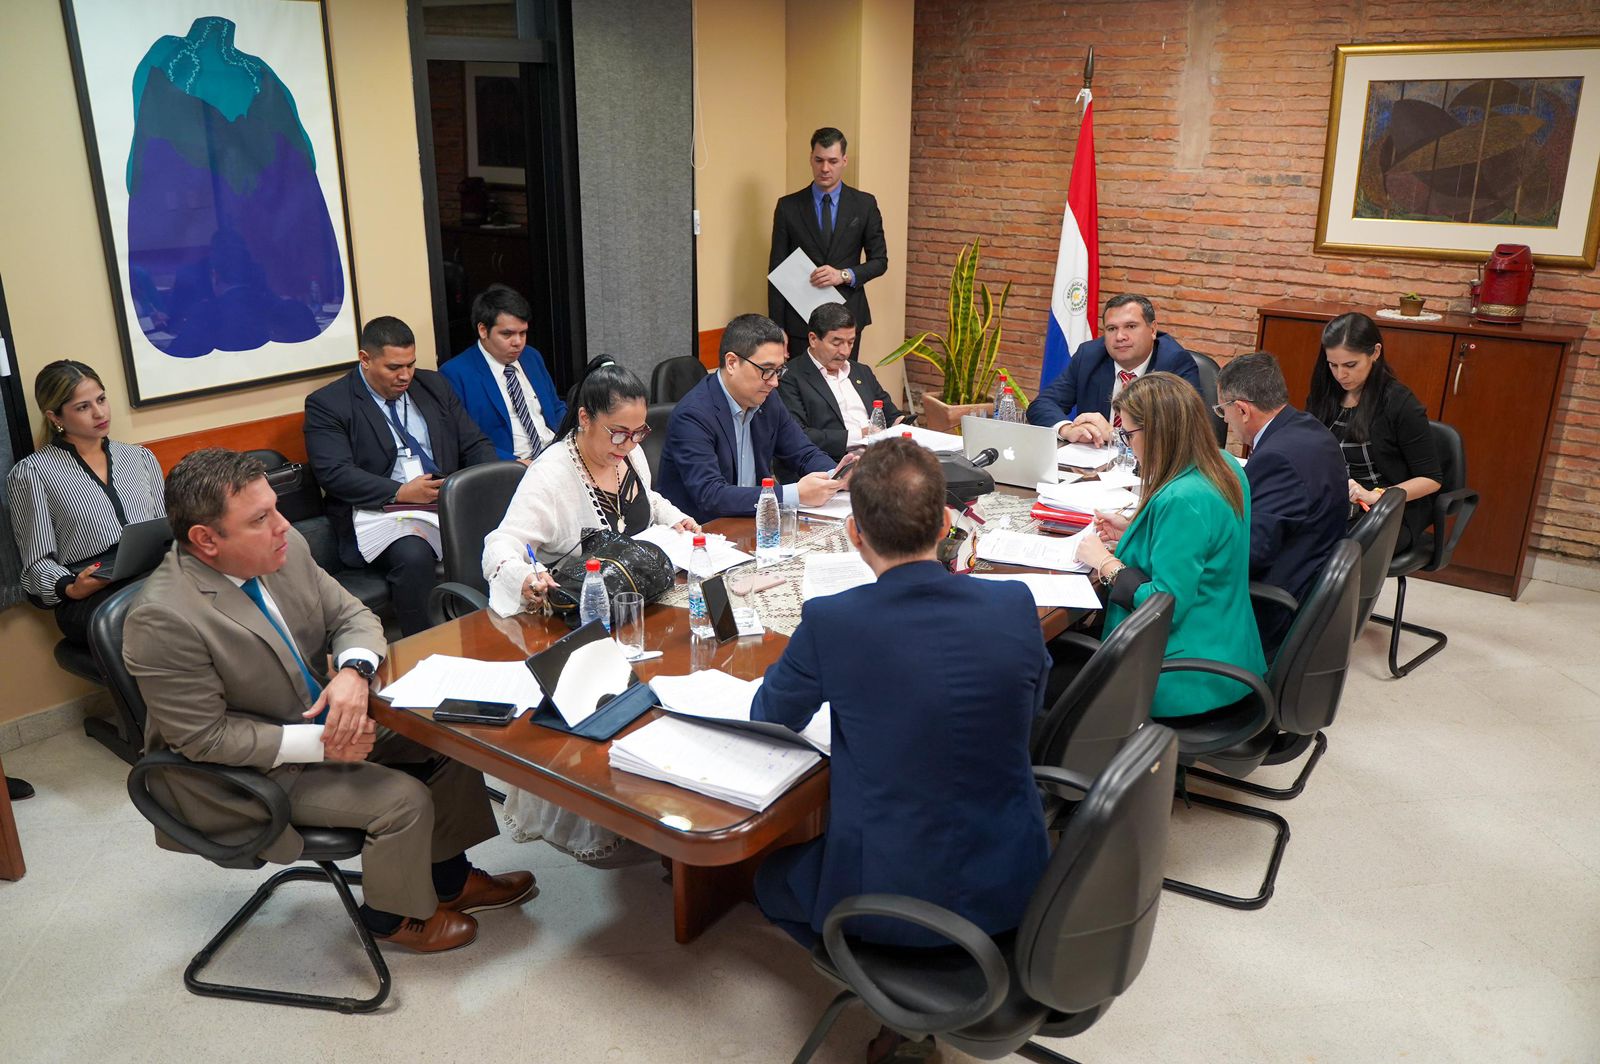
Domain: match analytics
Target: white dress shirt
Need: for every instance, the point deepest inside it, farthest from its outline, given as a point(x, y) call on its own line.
point(1116, 385)
point(851, 409)
point(521, 446)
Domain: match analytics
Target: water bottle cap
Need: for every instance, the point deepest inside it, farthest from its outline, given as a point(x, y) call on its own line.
point(1008, 390)
point(1004, 376)
point(905, 436)
point(877, 404)
point(592, 565)
point(699, 541)
point(767, 482)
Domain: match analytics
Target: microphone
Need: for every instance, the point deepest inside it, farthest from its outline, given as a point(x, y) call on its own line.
point(987, 456)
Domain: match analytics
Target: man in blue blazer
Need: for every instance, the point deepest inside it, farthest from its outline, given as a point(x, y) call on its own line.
point(933, 681)
point(1298, 483)
point(1077, 404)
point(725, 435)
point(502, 382)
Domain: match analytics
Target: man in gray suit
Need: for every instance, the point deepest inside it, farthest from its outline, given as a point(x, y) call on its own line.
point(209, 642)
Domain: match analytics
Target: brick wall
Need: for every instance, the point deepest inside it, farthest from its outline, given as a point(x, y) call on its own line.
point(1210, 119)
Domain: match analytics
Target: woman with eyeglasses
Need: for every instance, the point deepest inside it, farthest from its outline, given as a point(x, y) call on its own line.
point(1189, 536)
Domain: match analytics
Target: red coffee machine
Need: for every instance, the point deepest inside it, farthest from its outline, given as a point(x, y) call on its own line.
point(1500, 294)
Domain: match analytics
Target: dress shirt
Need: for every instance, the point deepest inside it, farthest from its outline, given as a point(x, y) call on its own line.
point(1116, 385)
point(520, 444)
point(852, 410)
point(817, 196)
point(745, 459)
point(413, 420)
point(1255, 441)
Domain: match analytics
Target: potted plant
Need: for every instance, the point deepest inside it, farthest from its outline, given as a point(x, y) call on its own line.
point(1411, 304)
point(965, 354)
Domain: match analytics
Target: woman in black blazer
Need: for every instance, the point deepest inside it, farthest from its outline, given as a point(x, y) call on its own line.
point(1381, 425)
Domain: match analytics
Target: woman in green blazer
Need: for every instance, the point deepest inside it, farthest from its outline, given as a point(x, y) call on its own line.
point(1190, 536)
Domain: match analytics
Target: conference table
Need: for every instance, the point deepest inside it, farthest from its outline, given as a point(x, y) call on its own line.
point(712, 847)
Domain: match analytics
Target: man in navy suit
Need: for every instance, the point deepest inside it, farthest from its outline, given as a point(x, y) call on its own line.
point(827, 393)
point(385, 433)
point(840, 229)
point(1298, 483)
point(725, 435)
point(502, 382)
point(1077, 404)
point(933, 681)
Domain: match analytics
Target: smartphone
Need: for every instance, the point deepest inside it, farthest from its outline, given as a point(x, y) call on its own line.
point(844, 466)
point(463, 711)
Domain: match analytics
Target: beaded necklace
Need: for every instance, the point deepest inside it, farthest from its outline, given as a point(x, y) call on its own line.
point(607, 513)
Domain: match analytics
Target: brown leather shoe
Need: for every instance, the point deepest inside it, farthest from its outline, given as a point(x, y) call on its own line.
point(484, 891)
point(444, 930)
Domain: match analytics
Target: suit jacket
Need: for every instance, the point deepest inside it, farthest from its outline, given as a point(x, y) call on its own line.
point(1298, 508)
point(352, 450)
point(479, 392)
point(857, 245)
point(930, 789)
point(1084, 387)
point(699, 471)
point(813, 405)
point(219, 683)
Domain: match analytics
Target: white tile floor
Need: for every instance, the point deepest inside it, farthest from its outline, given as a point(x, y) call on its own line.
point(1439, 902)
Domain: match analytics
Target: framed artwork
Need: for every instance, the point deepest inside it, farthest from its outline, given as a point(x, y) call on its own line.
point(214, 153)
point(496, 131)
point(1444, 150)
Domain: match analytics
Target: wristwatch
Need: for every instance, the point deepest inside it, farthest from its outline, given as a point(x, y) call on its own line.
point(366, 668)
point(849, 277)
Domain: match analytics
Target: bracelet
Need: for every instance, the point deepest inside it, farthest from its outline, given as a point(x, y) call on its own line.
point(1105, 578)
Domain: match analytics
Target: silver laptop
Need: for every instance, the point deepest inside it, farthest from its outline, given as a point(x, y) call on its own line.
point(140, 550)
point(1027, 452)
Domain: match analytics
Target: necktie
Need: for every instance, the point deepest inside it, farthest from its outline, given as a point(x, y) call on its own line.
point(1124, 378)
point(519, 406)
point(252, 587)
point(827, 219)
point(410, 440)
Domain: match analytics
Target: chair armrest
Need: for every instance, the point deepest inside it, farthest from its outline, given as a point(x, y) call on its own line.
point(1051, 777)
point(446, 602)
point(958, 929)
point(1277, 596)
point(1452, 512)
point(1266, 703)
point(1083, 642)
point(246, 782)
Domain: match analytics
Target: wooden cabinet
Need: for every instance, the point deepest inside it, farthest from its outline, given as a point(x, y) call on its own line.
point(1497, 385)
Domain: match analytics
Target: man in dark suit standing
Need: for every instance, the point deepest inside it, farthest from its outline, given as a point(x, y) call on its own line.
point(1297, 475)
point(827, 393)
point(1077, 404)
point(839, 228)
point(387, 433)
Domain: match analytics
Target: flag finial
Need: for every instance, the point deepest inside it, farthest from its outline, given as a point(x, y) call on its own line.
point(1088, 67)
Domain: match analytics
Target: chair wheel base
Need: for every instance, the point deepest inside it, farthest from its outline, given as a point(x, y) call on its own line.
point(1281, 794)
point(1268, 882)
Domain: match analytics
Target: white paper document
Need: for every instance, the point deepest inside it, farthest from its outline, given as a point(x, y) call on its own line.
point(1070, 591)
point(829, 574)
point(440, 676)
point(933, 441)
point(792, 279)
point(714, 695)
point(837, 507)
point(747, 770)
point(1087, 496)
point(377, 529)
point(1119, 478)
point(1085, 456)
point(1033, 551)
point(679, 545)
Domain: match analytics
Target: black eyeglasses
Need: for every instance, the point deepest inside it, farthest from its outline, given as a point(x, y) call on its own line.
point(622, 436)
point(768, 373)
point(1125, 436)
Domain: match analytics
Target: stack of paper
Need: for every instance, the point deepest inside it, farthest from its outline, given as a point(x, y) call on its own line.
point(1087, 496)
point(712, 694)
point(933, 441)
point(829, 574)
point(747, 770)
point(679, 545)
point(1072, 591)
point(1035, 552)
point(377, 529)
point(836, 507)
point(439, 676)
point(1085, 456)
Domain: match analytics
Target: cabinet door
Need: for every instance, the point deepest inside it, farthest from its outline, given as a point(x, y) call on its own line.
point(1499, 396)
point(1295, 342)
point(1422, 360)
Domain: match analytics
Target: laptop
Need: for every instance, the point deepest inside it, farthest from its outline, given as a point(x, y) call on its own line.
point(140, 550)
point(1027, 452)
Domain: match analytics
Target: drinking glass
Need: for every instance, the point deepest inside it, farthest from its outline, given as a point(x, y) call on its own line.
point(788, 529)
point(627, 622)
point(740, 582)
point(702, 652)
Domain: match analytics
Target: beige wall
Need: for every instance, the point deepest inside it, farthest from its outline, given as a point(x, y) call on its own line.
point(54, 267)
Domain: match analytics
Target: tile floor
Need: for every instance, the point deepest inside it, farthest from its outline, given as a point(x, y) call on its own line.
point(1439, 902)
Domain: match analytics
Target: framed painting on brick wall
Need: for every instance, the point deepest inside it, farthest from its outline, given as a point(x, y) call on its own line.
point(1444, 150)
point(214, 153)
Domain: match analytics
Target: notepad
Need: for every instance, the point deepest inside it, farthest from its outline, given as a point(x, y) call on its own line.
point(747, 770)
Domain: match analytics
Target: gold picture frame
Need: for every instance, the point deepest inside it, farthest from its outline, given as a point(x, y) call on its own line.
point(1443, 150)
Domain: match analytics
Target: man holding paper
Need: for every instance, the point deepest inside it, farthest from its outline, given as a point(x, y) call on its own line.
point(839, 228)
point(933, 681)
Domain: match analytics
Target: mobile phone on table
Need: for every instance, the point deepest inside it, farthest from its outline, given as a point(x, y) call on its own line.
point(465, 711)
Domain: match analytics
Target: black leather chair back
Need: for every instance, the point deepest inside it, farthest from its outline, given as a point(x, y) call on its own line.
point(299, 497)
point(1455, 503)
point(1307, 676)
point(1376, 534)
point(472, 503)
point(671, 379)
point(105, 643)
point(1208, 392)
point(656, 417)
point(1087, 930)
point(1110, 697)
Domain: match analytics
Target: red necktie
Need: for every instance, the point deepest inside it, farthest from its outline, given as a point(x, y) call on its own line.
point(1124, 378)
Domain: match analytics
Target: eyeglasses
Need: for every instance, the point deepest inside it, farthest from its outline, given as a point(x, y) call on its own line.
point(1221, 407)
point(768, 373)
point(1125, 436)
point(622, 436)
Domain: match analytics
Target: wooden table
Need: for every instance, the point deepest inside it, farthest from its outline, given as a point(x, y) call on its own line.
point(11, 864)
point(713, 847)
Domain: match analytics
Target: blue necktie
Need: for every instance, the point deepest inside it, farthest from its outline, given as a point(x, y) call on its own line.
point(519, 406)
point(252, 587)
point(411, 441)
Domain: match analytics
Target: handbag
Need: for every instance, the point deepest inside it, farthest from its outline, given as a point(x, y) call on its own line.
point(626, 564)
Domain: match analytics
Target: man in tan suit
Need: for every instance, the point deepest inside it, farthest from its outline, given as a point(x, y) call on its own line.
point(206, 642)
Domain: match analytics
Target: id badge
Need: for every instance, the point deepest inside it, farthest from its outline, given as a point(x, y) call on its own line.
point(410, 465)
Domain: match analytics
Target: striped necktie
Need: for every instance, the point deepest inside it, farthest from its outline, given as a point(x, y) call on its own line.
point(1124, 378)
point(252, 587)
point(519, 406)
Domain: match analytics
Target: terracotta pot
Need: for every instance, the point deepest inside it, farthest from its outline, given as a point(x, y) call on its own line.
point(940, 417)
point(1411, 307)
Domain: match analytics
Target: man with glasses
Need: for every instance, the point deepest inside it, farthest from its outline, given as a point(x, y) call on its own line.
point(727, 433)
point(1298, 483)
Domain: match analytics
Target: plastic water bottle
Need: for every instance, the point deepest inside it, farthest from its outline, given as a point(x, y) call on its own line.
point(877, 420)
point(594, 601)
point(769, 525)
point(1008, 409)
point(699, 570)
point(999, 391)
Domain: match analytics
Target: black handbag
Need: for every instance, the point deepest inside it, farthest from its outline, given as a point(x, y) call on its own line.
point(625, 564)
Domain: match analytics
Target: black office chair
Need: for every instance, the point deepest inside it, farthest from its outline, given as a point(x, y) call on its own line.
point(1376, 534)
point(323, 846)
point(656, 417)
point(1453, 507)
point(1082, 941)
point(1208, 391)
point(123, 733)
point(472, 504)
point(672, 378)
point(1299, 699)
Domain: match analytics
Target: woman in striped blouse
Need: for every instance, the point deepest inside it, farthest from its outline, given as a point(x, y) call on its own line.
point(71, 498)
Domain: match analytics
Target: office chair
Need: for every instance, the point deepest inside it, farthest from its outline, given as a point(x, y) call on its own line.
point(1208, 392)
point(656, 417)
point(323, 846)
point(1083, 938)
point(672, 378)
point(1453, 507)
point(472, 503)
point(123, 734)
point(1376, 534)
point(1298, 699)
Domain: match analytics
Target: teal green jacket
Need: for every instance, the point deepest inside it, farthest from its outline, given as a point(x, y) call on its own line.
point(1190, 543)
